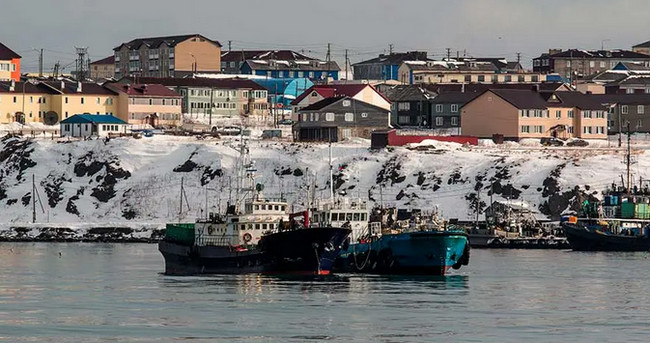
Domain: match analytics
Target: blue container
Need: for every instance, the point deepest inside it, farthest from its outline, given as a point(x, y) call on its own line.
point(614, 200)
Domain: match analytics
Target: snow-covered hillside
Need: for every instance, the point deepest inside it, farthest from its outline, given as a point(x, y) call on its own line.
point(138, 181)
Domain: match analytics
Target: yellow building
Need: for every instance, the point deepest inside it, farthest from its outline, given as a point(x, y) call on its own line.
point(24, 102)
point(81, 97)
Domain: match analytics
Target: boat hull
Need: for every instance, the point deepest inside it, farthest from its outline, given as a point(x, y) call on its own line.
point(304, 251)
point(583, 239)
point(415, 253)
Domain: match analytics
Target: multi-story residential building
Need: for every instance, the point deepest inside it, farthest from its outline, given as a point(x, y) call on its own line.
point(445, 110)
point(151, 104)
point(24, 102)
point(410, 105)
point(173, 56)
point(573, 63)
point(81, 97)
point(422, 72)
point(103, 69)
point(229, 97)
point(385, 67)
point(359, 91)
point(9, 64)
point(311, 69)
point(517, 114)
point(642, 48)
point(337, 118)
point(233, 60)
point(626, 108)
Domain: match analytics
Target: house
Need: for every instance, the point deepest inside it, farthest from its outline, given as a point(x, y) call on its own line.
point(385, 67)
point(642, 48)
point(273, 68)
point(229, 97)
point(9, 64)
point(87, 125)
point(232, 61)
point(337, 118)
point(24, 102)
point(148, 104)
point(624, 108)
point(172, 56)
point(81, 97)
point(445, 110)
point(465, 71)
point(103, 69)
point(358, 91)
point(410, 105)
point(517, 114)
point(573, 64)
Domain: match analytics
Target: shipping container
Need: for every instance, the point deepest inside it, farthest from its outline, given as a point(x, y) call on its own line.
point(627, 210)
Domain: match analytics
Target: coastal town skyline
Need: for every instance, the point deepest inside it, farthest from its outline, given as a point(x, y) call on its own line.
point(499, 28)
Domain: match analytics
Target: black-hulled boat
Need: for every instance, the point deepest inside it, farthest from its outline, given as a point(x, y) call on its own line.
point(598, 236)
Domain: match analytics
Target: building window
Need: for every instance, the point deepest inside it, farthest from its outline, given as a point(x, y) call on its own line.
point(98, 101)
point(364, 115)
point(592, 64)
point(346, 103)
point(534, 78)
point(586, 114)
point(82, 100)
point(639, 109)
point(439, 121)
point(468, 78)
point(150, 102)
point(629, 91)
point(570, 129)
point(558, 114)
point(624, 109)
point(454, 108)
point(403, 106)
point(525, 129)
point(454, 121)
point(495, 78)
point(349, 116)
point(508, 78)
point(438, 108)
point(404, 119)
point(481, 78)
point(639, 124)
point(521, 78)
point(329, 116)
point(538, 129)
point(602, 64)
point(570, 114)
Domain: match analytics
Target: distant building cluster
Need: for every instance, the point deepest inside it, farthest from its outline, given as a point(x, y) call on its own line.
point(155, 81)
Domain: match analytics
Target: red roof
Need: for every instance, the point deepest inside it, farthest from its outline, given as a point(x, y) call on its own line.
point(327, 91)
point(107, 60)
point(147, 90)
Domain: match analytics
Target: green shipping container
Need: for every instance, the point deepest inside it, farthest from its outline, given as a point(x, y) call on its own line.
point(180, 232)
point(642, 211)
point(627, 210)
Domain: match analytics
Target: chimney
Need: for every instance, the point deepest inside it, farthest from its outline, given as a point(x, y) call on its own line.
point(12, 87)
point(79, 87)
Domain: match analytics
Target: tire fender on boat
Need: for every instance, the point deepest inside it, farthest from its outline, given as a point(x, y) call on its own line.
point(247, 237)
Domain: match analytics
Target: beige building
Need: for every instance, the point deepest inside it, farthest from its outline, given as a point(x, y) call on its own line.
point(103, 69)
point(24, 102)
point(517, 114)
point(173, 56)
point(418, 72)
point(81, 97)
point(148, 104)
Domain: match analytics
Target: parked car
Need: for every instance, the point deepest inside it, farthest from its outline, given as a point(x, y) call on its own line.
point(286, 122)
point(268, 134)
point(578, 142)
point(551, 141)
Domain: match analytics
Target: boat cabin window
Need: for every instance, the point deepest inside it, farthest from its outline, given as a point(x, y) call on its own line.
point(335, 217)
point(276, 207)
point(271, 226)
point(283, 207)
point(348, 217)
point(316, 217)
point(257, 207)
point(257, 226)
point(363, 217)
point(357, 217)
point(241, 227)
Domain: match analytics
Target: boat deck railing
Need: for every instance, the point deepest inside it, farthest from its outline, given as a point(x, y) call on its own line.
point(216, 240)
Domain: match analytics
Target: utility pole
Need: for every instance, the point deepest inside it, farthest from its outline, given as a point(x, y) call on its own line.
point(180, 210)
point(81, 60)
point(55, 70)
point(211, 107)
point(629, 157)
point(448, 54)
point(390, 49)
point(346, 64)
point(33, 200)
point(40, 63)
point(229, 45)
point(328, 58)
point(518, 57)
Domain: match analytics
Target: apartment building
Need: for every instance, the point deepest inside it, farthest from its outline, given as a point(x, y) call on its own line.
point(148, 104)
point(103, 69)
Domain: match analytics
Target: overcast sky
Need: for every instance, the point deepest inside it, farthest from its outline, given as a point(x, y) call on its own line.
point(365, 27)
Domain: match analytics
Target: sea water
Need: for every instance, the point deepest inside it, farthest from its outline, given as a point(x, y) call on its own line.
point(116, 293)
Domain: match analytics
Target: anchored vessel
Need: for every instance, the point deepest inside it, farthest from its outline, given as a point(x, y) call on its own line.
point(254, 235)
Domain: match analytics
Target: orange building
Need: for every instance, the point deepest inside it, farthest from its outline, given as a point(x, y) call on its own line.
point(9, 64)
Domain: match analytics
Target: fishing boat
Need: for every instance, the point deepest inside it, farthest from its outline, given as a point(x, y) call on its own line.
point(620, 222)
point(254, 235)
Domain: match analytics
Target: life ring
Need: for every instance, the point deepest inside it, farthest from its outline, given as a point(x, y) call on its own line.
point(247, 237)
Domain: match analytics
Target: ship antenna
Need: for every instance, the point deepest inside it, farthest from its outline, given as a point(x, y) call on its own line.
point(628, 157)
point(331, 173)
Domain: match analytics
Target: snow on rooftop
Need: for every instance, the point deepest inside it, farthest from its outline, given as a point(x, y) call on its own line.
point(301, 61)
point(261, 61)
point(416, 62)
point(229, 76)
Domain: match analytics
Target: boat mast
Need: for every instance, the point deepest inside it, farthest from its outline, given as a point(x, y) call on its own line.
point(628, 157)
point(331, 174)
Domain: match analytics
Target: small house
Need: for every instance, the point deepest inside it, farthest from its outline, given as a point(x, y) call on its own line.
point(86, 125)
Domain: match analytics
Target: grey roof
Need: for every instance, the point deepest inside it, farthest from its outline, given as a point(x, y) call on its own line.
point(633, 66)
point(635, 80)
point(481, 87)
point(155, 42)
point(292, 65)
point(243, 55)
point(521, 99)
point(623, 99)
point(455, 97)
point(397, 58)
point(573, 99)
point(408, 93)
point(606, 76)
point(643, 45)
point(576, 53)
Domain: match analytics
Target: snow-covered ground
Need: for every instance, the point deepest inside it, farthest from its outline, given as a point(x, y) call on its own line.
point(137, 182)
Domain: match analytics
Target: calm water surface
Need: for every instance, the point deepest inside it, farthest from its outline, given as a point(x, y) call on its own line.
point(115, 292)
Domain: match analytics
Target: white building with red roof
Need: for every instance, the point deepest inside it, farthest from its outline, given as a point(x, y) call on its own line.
point(358, 91)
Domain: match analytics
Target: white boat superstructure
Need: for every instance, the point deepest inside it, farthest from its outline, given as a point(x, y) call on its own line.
point(353, 213)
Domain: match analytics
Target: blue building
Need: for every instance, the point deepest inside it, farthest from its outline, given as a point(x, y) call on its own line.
point(385, 67)
point(309, 69)
point(284, 91)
